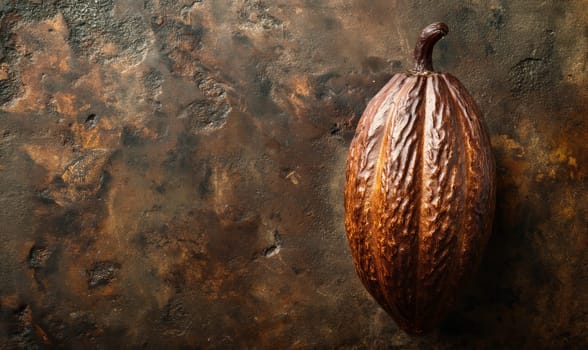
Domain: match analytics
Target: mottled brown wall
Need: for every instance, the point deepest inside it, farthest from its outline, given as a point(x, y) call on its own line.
point(171, 172)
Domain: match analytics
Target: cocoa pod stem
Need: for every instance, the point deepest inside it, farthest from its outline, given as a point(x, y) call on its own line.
point(423, 52)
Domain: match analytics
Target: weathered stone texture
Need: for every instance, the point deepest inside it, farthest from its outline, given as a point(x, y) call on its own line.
point(171, 172)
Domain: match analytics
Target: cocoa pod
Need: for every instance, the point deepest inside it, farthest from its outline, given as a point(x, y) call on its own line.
point(419, 192)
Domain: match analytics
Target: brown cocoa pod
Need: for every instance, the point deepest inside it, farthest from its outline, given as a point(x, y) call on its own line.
point(419, 192)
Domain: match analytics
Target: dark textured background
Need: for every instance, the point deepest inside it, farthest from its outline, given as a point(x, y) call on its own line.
point(171, 172)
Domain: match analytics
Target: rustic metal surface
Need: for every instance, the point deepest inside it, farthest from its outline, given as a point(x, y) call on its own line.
point(171, 172)
point(419, 191)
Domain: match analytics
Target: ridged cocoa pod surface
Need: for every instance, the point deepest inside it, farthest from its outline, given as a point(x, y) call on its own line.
point(420, 192)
